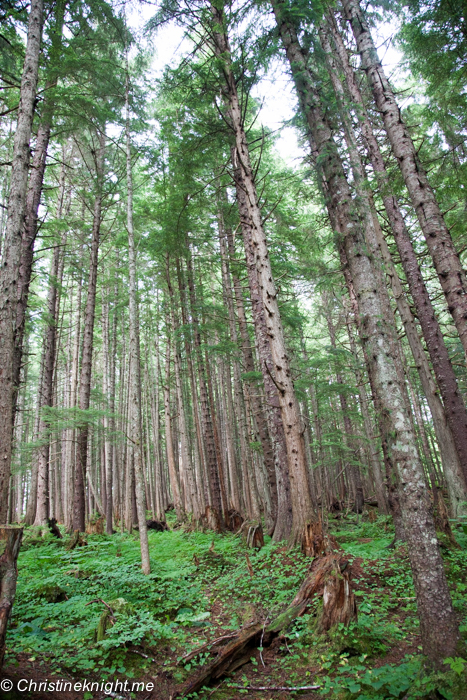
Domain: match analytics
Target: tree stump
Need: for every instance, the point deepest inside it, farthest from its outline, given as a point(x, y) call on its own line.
point(212, 520)
point(338, 598)
point(315, 542)
point(96, 527)
point(253, 534)
point(235, 521)
point(10, 543)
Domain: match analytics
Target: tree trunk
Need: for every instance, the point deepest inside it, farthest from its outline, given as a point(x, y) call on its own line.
point(79, 508)
point(438, 623)
point(213, 468)
point(10, 543)
point(136, 430)
point(191, 493)
point(450, 420)
point(438, 238)
point(302, 509)
point(173, 478)
point(11, 253)
point(270, 453)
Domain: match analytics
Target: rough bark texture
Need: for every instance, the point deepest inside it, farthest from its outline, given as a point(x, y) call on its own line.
point(214, 469)
point(79, 509)
point(136, 427)
point(35, 184)
point(270, 453)
point(11, 254)
point(278, 472)
point(300, 495)
point(450, 420)
point(438, 624)
point(438, 238)
point(10, 543)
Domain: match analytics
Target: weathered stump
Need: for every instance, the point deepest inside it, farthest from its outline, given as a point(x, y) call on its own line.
point(328, 577)
point(96, 527)
point(315, 541)
point(10, 543)
point(253, 534)
point(235, 521)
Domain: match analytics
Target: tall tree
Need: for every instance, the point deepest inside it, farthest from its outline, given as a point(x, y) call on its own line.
point(11, 253)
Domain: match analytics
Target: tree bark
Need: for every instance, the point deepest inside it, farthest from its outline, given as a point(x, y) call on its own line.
point(302, 509)
point(79, 508)
point(11, 253)
point(450, 419)
point(438, 623)
point(136, 429)
point(10, 543)
point(438, 238)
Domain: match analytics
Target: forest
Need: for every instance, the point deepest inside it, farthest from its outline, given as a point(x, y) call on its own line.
point(233, 347)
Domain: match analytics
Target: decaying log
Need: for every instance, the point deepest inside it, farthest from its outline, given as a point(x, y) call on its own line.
point(329, 577)
point(10, 543)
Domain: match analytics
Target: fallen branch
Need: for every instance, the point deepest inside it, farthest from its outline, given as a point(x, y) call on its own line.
point(275, 687)
point(328, 577)
point(140, 653)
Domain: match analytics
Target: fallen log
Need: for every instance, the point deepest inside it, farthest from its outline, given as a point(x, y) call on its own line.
point(292, 689)
point(10, 543)
point(328, 577)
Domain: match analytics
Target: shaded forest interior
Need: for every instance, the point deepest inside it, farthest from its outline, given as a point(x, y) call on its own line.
point(233, 424)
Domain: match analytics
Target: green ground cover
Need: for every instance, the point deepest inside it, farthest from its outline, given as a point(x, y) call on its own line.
point(204, 585)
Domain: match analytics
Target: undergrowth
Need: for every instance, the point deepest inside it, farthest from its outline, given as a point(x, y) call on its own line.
point(204, 585)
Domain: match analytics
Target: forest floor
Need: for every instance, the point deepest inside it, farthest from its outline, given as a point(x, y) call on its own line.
point(204, 586)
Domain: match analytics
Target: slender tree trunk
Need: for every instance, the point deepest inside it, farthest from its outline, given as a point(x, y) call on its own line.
point(173, 478)
point(135, 392)
point(46, 393)
point(191, 495)
point(11, 253)
point(438, 623)
point(353, 471)
point(450, 420)
point(79, 508)
point(270, 453)
point(302, 509)
point(214, 477)
point(438, 238)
